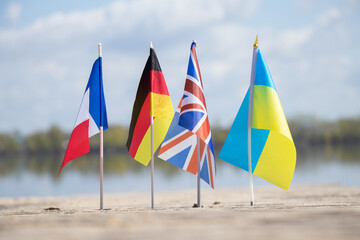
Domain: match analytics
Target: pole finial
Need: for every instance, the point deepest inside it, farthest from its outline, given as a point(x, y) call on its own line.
point(256, 44)
point(193, 44)
point(151, 46)
point(99, 50)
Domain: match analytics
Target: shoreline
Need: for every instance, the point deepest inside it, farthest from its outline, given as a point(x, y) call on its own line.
point(326, 211)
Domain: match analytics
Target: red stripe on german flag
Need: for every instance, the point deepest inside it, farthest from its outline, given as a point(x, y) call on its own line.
point(152, 98)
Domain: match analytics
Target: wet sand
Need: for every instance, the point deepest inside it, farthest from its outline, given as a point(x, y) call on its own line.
point(304, 212)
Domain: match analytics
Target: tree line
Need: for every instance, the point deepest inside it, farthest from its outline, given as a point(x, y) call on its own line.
point(306, 131)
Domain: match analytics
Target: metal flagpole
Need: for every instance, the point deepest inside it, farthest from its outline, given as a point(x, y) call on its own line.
point(101, 152)
point(250, 116)
point(101, 167)
point(152, 150)
point(152, 162)
point(198, 170)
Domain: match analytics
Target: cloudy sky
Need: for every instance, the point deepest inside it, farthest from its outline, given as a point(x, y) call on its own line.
point(47, 49)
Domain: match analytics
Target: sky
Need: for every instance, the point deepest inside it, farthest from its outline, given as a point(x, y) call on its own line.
point(47, 49)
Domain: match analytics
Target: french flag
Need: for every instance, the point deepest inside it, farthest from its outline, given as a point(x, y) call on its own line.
point(91, 116)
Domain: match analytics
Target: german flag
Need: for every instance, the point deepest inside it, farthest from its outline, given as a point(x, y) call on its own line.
point(152, 98)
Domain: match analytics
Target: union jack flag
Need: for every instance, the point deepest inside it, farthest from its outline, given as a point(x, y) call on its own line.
point(191, 120)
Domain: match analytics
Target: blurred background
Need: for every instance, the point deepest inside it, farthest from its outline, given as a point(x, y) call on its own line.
point(47, 50)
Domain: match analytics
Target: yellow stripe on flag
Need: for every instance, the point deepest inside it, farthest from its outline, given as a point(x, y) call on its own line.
point(161, 106)
point(277, 160)
point(267, 111)
point(143, 154)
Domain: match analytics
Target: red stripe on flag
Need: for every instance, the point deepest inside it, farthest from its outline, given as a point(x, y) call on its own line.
point(141, 126)
point(175, 142)
point(193, 50)
point(180, 104)
point(202, 146)
point(204, 130)
point(191, 106)
point(192, 167)
point(194, 89)
point(158, 84)
point(78, 143)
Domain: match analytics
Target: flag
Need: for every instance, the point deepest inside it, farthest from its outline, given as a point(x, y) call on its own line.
point(91, 116)
point(191, 120)
point(273, 153)
point(180, 148)
point(152, 98)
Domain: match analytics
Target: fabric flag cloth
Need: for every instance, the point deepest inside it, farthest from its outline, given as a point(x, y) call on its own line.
point(273, 153)
point(152, 98)
point(191, 120)
point(91, 116)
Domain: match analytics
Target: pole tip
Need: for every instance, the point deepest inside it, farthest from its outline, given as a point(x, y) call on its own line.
point(256, 44)
point(193, 44)
point(151, 45)
point(99, 50)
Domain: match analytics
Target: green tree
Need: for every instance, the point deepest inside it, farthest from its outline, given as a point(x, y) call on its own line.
point(49, 142)
point(8, 144)
point(56, 137)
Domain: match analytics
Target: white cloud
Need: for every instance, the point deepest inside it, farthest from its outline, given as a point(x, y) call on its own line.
point(13, 11)
point(45, 66)
point(330, 15)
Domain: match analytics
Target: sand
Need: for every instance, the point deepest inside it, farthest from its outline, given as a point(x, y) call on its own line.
point(304, 212)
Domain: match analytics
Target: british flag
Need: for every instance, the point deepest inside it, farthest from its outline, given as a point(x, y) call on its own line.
point(191, 120)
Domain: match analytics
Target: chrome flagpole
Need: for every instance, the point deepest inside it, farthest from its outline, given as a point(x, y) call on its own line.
point(101, 152)
point(152, 161)
point(152, 149)
point(250, 117)
point(198, 170)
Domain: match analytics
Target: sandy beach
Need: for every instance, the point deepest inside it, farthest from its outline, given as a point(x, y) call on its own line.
point(304, 212)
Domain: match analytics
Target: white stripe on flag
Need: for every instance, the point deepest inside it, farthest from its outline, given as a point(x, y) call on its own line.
point(83, 113)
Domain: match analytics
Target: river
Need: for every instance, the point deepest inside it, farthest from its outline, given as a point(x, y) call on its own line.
point(38, 176)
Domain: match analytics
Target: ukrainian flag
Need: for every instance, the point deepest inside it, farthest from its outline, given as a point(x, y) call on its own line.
point(273, 153)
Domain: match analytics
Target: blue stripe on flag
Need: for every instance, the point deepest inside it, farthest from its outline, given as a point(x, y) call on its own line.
point(189, 120)
point(180, 158)
point(97, 107)
point(174, 128)
point(210, 145)
point(262, 74)
point(235, 148)
point(191, 69)
point(204, 173)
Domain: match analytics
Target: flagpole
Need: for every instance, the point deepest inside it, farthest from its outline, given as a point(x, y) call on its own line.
point(152, 161)
point(198, 170)
point(250, 117)
point(101, 152)
point(152, 149)
point(198, 166)
point(101, 167)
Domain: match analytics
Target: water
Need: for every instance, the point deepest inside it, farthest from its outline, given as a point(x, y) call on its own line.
point(38, 176)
